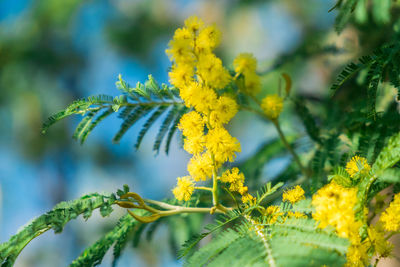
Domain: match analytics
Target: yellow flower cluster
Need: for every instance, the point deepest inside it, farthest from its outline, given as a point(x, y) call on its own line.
point(272, 106)
point(391, 216)
point(357, 166)
point(246, 65)
point(334, 206)
point(191, 50)
point(236, 181)
point(273, 212)
point(359, 254)
point(198, 74)
point(294, 195)
point(184, 189)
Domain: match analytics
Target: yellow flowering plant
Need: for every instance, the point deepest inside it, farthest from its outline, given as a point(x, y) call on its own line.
point(324, 209)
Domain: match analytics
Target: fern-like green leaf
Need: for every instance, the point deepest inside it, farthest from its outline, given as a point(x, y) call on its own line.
point(192, 242)
point(134, 104)
point(308, 121)
point(54, 219)
point(174, 126)
point(94, 254)
point(389, 155)
point(156, 114)
point(164, 128)
point(254, 244)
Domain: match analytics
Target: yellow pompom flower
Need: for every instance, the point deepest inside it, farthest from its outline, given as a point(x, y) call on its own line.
point(273, 209)
point(211, 71)
point(208, 39)
point(222, 145)
point(181, 51)
point(294, 195)
point(357, 256)
point(357, 165)
point(273, 213)
point(224, 110)
point(200, 167)
point(391, 216)
point(377, 240)
point(235, 179)
point(183, 34)
point(191, 124)
point(202, 98)
point(296, 215)
point(194, 24)
point(247, 198)
point(244, 63)
point(182, 75)
point(272, 106)
point(334, 206)
point(184, 188)
point(252, 84)
point(194, 144)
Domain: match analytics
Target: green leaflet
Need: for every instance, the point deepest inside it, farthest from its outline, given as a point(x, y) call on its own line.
point(94, 254)
point(134, 104)
point(247, 245)
point(54, 219)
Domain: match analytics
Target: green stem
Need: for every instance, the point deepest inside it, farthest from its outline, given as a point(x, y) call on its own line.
point(215, 188)
point(289, 147)
point(203, 188)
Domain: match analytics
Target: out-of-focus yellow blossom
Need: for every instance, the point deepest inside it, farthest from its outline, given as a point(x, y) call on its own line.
point(273, 213)
point(181, 76)
point(334, 206)
point(224, 110)
point(191, 124)
point(211, 71)
point(296, 214)
point(272, 106)
point(200, 167)
point(247, 198)
point(184, 188)
point(183, 34)
point(294, 195)
point(222, 145)
point(357, 256)
point(193, 24)
point(244, 63)
point(357, 165)
point(391, 216)
point(208, 39)
point(194, 144)
point(252, 84)
point(273, 209)
point(377, 240)
point(181, 51)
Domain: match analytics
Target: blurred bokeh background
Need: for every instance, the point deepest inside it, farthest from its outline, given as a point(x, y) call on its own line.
point(53, 52)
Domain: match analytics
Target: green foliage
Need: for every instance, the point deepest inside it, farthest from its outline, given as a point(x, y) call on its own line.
point(118, 236)
point(381, 65)
point(211, 228)
point(294, 242)
point(389, 155)
point(55, 219)
point(380, 10)
point(307, 119)
point(134, 104)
